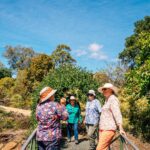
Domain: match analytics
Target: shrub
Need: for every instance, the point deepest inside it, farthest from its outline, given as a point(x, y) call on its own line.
point(67, 80)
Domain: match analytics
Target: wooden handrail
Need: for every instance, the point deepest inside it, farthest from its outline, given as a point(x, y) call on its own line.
point(129, 142)
point(124, 140)
point(29, 140)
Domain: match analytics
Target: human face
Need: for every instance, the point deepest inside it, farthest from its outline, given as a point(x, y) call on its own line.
point(91, 97)
point(52, 98)
point(72, 102)
point(63, 103)
point(107, 92)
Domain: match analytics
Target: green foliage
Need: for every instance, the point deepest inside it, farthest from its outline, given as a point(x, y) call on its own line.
point(137, 86)
point(13, 121)
point(40, 66)
point(6, 85)
point(67, 80)
point(137, 47)
point(62, 56)
point(4, 72)
point(19, 57)
point(17, 101)
point(22, 90)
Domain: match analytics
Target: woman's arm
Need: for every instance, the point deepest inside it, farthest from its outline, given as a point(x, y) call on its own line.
point(62, 112)
point(121, 130)
point(115, 109)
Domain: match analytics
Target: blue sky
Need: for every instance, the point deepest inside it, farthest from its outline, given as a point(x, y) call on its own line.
point(94, 29)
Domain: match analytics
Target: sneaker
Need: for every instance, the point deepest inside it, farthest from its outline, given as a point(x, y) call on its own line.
point(69, 140)
point(76, 142)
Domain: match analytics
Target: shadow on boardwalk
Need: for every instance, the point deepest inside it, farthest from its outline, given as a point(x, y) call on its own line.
point(83, 144)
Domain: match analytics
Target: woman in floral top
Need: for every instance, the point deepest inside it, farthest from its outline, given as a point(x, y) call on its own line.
point(110, 118)
point(49, 114)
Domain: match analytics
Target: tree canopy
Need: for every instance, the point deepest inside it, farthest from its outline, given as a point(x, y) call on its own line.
point(137, 86)
point(4, 72)
point(137, 46)
point(40, 67)
point(62, 56)
point(19, 57)
point(68, 80)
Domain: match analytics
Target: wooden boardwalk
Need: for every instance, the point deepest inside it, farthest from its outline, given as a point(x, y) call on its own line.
point(83, 145)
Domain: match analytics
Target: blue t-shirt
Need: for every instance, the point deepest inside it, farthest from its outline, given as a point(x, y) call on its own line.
point(93, 110)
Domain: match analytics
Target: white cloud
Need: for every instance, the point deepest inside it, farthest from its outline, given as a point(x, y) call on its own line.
point(98, 56)
point(94, 47)
point(80, 53)
point(94, 51)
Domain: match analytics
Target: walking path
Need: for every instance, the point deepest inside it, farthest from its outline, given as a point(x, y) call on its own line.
point(26, 113)
point(83, 144)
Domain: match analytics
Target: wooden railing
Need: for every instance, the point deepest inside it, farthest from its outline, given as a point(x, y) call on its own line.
point(123, 143)
point(31, 143)
point(120, 142)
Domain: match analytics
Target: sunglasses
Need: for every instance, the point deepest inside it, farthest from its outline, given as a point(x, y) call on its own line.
point(104, 89)
point(90, 95)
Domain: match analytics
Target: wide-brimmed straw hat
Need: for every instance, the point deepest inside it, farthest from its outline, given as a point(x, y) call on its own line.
point(108, 86)
point(46, 93)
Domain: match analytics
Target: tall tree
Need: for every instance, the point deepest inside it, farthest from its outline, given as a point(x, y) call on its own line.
point(114, 73)
point(62, 56)
point(19, 57)
point(137, 47)
point(137, 87)
point(40, 66)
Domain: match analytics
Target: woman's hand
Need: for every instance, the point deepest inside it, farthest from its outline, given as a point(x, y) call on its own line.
point(121, 130)
point(55, 117)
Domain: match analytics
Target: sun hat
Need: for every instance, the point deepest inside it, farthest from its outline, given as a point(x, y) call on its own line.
point(92, 92)
point(46, 93)
point(72, 98)
point(108, 86)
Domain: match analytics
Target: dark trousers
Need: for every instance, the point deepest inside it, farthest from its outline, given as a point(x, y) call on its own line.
point(70, 127)
point(49, 145)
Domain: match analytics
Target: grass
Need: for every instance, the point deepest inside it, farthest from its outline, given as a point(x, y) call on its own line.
point(10, 120)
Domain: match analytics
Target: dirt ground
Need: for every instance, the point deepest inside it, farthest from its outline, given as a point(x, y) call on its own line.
point(26, 113)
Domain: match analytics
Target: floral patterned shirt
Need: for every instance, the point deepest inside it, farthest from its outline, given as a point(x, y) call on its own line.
point(49, 129)
point(110, 116)
point(93, 110)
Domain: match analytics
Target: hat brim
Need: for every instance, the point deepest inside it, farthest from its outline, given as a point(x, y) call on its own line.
point(90, 94)
point(48, 96)
point(114, 89)
point(72, 99)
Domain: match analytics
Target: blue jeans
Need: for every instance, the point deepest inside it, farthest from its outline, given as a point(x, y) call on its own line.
point(70, 127)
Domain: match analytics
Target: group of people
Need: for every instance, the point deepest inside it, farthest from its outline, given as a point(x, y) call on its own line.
point(102, 121)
